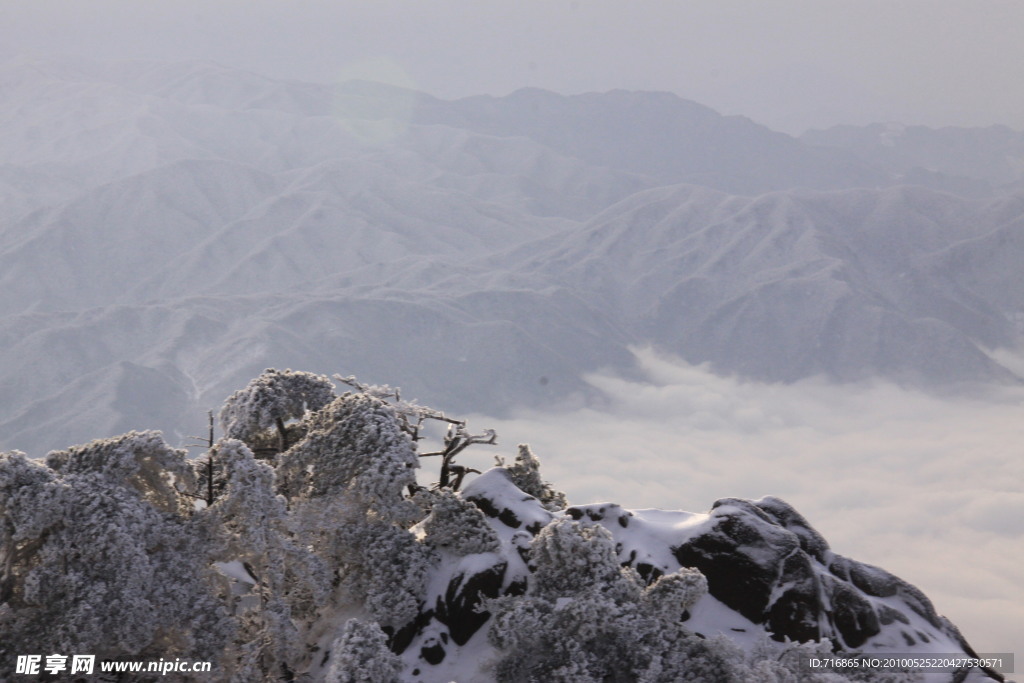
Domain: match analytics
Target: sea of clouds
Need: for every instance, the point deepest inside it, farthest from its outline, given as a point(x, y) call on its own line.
point(928, 487)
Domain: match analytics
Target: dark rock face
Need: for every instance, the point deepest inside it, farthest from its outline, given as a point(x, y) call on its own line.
point(779, 512)
point(433, 653)
point(760, 559)
point(400, 639)
point(852, 616)
point(600, 513)
point(504, 515)
point(456, 615)
point(452, 616)
point(765, 561)
point(741, 556)
point(796, 612)
point(879, 583)
point(459, 609)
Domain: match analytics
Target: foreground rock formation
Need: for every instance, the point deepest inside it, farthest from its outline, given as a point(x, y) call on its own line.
point(769, 573)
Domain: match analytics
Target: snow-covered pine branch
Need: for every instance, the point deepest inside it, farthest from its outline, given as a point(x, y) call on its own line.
point(269, 401)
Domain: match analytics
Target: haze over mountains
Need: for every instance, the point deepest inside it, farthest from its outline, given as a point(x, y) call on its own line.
point(169, 230)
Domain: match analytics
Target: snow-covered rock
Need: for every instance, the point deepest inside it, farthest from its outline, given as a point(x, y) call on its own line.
point(769, 574)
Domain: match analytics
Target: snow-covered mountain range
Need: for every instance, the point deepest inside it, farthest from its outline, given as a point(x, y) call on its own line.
point(169, 230)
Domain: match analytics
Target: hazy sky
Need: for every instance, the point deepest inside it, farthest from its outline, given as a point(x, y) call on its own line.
point(928, 488)
point(789, 64)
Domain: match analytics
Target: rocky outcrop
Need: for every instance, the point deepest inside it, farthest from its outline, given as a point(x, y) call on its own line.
point(763, 560)
point(768, 572)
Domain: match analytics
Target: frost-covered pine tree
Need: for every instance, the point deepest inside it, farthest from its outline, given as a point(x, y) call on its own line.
point(259, 413)
point(581, 617)
point(249, 526)
point(568, 558)
point(355, 450)
point(457, 526)
point(360, 654)
point(99, 555)
point(346, 485)
point(672, 595)
point(526, 476)
point(383, 567)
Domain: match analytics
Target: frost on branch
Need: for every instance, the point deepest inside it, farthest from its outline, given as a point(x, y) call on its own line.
point(249, 510)
point(345, 482)
point(361, 655)
point(269, 402)
point(411, 418)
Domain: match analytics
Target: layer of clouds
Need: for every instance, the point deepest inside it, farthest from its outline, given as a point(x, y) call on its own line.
point(789, 64)
point(931, 489)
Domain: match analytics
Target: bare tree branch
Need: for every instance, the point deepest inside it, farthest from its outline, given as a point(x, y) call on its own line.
point(412, 417)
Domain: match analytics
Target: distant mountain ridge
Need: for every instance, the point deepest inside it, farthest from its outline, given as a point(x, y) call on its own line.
point(973, 161)
point(657, 134)
point(788, 285)
point(170, 230)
